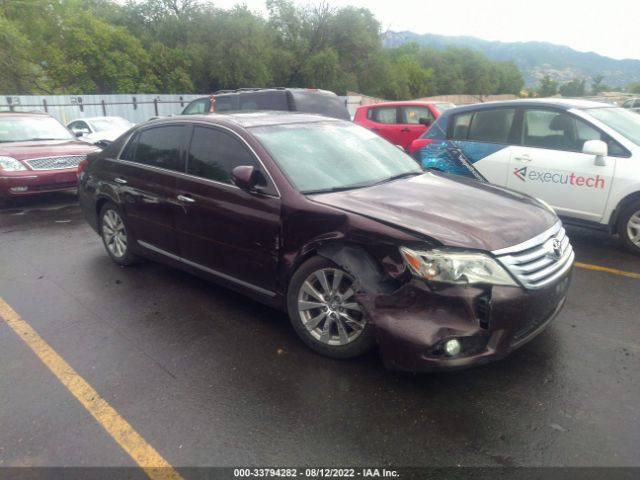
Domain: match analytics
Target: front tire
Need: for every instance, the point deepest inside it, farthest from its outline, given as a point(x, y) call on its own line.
point(325, 313)
point(115, 235)
point(629, 227)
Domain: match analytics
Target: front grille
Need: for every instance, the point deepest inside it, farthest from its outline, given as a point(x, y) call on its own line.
point(540, 261)
point(55, 163)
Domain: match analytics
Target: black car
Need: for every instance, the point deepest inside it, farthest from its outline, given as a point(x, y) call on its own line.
point(333, 224)
point(305, 100)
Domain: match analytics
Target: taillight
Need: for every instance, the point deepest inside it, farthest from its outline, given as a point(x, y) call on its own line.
point(418, 143)
point(82, 165)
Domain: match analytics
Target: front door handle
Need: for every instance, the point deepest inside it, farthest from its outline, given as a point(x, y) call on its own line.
point(119, 180)
point(185, 199)
point(523, 158)
point(405, 130)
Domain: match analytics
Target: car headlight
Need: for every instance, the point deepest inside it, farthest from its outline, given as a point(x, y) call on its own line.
point(458, 268)
point(9, 164)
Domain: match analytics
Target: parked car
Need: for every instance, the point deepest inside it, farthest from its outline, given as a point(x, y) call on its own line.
point(581, 157)
point(329, 222)
point(306, 100)
point(400, 122)
point(37, 154)
point(94, 129)
point(632, 104)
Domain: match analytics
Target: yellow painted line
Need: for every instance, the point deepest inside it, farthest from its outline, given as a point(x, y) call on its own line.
point(614, 271)
point(156, 467)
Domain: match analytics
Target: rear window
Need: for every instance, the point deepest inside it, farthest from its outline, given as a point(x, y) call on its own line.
point(308, 101)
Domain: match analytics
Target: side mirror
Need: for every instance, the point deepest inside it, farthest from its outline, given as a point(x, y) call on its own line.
point(247, 178)
point(103, 143)
point(78, 132)
point(597, 148)
point(425, 121)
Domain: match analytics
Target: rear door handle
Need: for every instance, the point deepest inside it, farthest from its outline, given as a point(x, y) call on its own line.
point(523, 158)
point(185, 199)
point(119, 180)
point(405, 130)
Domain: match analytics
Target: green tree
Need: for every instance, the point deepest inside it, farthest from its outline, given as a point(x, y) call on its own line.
point(548, 87)
point(633, 87)
point(509, 78)
point(19, 74)
point(574, 88)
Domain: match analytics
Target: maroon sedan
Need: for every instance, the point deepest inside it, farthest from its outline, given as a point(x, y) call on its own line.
point(331, 223)
point(37, 154)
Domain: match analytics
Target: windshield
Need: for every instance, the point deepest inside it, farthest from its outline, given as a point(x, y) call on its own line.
point(323, 157)
point(622, 121)
point(24, 129)
point(102, 124)
point(441, 107)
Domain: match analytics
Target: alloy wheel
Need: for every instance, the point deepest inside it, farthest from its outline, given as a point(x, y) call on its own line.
point(328, 307)
point(633, 229)
point(114, 233)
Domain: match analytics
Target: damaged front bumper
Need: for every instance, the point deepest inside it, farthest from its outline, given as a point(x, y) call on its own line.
point(414, 323)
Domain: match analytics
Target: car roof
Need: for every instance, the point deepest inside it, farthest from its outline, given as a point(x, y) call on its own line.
point(561, 103)
point(24, 114)
point(252, 119)
point(403, 102)
point(96, 118)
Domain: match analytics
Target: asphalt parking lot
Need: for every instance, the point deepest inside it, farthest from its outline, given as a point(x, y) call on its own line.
point(205, 377)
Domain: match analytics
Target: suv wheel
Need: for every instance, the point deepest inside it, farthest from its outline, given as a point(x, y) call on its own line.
point(629, 227)
point(325, 313)
point(115, 236)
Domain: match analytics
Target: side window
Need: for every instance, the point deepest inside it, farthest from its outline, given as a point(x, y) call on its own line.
point(412, 115)
point(386, 115)
point(129, 150)
point(460, 126)
point(562, 131)
point(491, 126)
point(628, 104)
point(267, 100)
point(197, 106)
point(225, 103)
point(79, 125)
point(214, 154)
point(160, 147)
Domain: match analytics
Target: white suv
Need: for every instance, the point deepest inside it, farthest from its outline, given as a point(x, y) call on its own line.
point(582, 158)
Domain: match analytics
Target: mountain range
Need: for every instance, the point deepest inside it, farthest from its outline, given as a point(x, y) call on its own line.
point(534, 59)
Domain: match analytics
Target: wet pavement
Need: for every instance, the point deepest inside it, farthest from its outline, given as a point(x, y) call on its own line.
point(209, 377)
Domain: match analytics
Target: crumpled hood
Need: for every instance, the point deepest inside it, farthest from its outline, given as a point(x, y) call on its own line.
point(49, 148)
point(456, 212)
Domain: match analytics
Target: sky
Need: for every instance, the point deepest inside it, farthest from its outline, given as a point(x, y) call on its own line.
point(609, 28)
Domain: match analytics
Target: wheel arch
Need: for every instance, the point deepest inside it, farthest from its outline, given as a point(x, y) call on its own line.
point(620, 207)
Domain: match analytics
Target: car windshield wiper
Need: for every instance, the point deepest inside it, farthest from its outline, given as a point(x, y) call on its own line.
point(36, 139)
point(336, 189)
point(363, 185)
point(398, 177)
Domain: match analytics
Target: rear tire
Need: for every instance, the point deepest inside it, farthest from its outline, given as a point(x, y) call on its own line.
point(115, 235)
point(325, 313)
point(629, 227)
